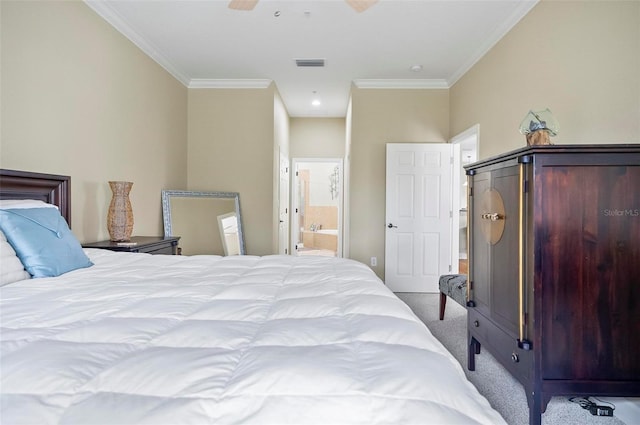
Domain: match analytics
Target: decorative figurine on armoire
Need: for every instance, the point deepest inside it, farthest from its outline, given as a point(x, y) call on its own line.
point(538, 127)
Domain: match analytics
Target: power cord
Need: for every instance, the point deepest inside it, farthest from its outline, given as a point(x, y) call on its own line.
point(596, 408)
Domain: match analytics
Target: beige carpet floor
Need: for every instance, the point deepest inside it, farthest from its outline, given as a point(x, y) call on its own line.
point(504, 393)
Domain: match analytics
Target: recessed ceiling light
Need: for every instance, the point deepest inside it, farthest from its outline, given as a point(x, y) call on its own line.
point(316, 102)
point(416, 68)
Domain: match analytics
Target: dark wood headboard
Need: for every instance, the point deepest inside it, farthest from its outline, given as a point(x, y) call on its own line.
point(49, 188)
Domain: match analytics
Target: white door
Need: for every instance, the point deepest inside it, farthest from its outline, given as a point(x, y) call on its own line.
point(419, 215)
point(283, 228)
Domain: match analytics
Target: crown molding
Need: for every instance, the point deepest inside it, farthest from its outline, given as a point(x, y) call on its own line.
point(400, 84)
point(524, 7)
point(114, 19)
point(202, 83)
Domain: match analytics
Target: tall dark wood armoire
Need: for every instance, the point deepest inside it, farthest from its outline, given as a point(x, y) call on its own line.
point(554, 269)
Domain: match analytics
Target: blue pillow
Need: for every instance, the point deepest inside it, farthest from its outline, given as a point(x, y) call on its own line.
point(43, 241)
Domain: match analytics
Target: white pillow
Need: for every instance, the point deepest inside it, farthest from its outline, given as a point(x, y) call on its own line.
point(11, 268)
point(6, 204)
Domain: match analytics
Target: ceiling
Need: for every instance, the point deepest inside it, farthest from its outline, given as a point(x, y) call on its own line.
point(205, 44)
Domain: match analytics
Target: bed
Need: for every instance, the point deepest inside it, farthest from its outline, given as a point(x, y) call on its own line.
point(154, 339)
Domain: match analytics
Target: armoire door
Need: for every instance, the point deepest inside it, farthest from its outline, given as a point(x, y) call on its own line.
point(495, 219)
point(505, 304)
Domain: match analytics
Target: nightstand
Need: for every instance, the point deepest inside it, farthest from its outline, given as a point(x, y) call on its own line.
point(148, 244)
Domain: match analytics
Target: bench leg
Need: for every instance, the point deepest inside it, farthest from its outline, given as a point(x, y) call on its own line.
point(443, 304)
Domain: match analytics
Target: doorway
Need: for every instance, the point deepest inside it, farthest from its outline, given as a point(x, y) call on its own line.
point(468, 141)
point(317, 207)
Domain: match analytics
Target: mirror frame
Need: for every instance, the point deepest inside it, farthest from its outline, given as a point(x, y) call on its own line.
point(166, 208)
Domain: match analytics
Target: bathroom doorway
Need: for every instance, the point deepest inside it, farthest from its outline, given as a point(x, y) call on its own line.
point(468, 141)
point(317, 207)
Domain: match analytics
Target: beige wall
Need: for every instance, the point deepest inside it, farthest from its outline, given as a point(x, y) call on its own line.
point(317, 137)
point(80, 99)
point(231, 149)
point(86, 102)
point(579, 59)
point(378, 117)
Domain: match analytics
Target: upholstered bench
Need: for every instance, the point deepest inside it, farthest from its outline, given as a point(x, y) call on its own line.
point(454, 286)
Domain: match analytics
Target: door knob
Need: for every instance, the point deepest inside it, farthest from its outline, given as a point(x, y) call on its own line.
point(390, 225)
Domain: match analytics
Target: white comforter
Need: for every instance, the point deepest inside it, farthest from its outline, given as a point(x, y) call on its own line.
point(268, 340)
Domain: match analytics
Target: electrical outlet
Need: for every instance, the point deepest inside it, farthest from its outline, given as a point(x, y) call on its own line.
point(374, 261)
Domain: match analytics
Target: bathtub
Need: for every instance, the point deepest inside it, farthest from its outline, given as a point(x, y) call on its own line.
point(328, 231)
point(321, 239)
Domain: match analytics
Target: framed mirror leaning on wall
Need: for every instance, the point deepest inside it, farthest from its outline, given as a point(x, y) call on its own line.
point(207, 222)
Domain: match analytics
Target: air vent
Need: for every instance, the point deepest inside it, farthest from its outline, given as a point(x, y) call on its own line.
point(310, 63)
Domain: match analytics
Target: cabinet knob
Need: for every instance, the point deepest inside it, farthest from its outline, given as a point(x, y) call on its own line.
point(492, 216)
point(515, 357)
point(476, 323)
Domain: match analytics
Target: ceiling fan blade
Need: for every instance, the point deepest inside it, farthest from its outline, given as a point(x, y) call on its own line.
point(242, 4)
point(361, 5)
